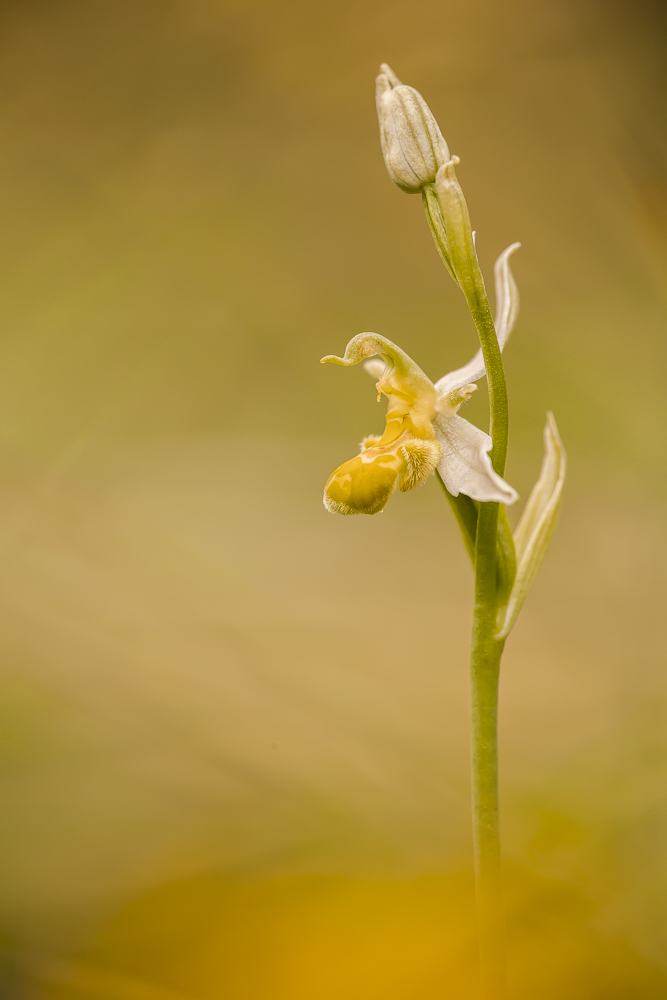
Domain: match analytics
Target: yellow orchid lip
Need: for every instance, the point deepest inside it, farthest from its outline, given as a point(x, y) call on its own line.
point(423, 430)
point(363, 484)
point(407, 453)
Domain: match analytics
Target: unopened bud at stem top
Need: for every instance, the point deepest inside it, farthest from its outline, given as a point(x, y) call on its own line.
point(412, 143)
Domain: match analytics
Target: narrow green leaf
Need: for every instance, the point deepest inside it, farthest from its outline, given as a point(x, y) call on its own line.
point(537, 523)
point(505, 556)
point(465, 512)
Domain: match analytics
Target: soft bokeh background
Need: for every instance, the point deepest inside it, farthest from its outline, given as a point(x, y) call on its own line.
point(234, 728)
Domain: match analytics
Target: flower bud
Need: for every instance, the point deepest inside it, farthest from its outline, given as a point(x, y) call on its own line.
point(412, 143)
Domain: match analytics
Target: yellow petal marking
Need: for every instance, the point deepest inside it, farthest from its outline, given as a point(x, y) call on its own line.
point(407, 452)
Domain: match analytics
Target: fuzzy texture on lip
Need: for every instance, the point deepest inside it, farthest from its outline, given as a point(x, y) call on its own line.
point(407, 452)
point(423, 430)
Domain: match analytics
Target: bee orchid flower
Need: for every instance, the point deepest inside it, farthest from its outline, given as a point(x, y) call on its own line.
point(423, 430)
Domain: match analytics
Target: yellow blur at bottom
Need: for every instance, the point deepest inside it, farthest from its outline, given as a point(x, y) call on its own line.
point(308, 938)
point(334, 937)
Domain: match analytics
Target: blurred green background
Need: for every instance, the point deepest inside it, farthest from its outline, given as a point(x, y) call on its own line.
point(233, 727)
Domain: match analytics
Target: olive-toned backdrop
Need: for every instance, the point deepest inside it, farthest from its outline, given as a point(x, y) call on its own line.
point(233, 727)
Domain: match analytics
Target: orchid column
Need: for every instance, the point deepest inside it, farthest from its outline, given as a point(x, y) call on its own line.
point(424, 434)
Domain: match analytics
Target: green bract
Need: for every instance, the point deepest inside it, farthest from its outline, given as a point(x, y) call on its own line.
point(534, 531)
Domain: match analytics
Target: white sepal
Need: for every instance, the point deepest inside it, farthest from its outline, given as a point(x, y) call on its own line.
point(465, 466)
point(537, 523)
point(507, 310)
point(507, 295)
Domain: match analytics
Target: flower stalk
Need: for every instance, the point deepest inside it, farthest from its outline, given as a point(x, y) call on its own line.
point(486, 650)
point(463, 256)
point(485, 657)
point(424, 434)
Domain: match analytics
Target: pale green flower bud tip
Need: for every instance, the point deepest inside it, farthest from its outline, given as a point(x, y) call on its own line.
point(387, 71)
point(412, 143)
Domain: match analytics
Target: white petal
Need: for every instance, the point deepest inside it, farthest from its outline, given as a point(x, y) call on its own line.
point(471, 372)
point(375, 367)
point(464, 463)
point(507, 310)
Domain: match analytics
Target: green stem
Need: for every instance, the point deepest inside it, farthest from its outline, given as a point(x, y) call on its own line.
point(495, 567)
point(478, 303)
point(465, 512)
point(485, 653)
point(484, 674)
point(462, 261)
point(493, 579)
